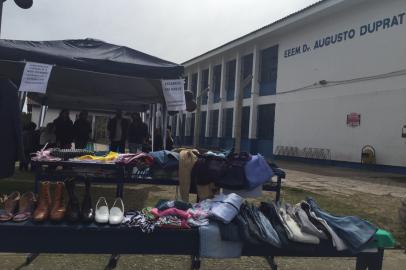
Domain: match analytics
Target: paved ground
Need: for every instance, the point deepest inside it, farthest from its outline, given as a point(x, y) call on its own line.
point(371, 194)
point(343, 181)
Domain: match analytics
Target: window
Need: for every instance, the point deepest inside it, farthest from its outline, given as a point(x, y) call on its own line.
point(173, 125)
point(192, 125)
point(269, 70)
point(203, 124)
point(247, 62)
point(230, 81)
point(194, 84)
point(186, 83)
point(216, 83)
point(214, 123)
point(204, 85)
point(228, 122)
point(245, 122)
point(266, 121)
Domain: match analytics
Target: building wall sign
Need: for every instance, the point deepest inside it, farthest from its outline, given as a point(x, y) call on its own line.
point(353, 119)
point(348, 34)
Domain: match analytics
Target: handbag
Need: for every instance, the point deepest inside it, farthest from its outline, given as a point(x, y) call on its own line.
point(216, 167)
point(234, 176)
point(257, 171)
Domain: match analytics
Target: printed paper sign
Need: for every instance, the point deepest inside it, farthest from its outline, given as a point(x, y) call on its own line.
point(35, 77)
point(174, 94)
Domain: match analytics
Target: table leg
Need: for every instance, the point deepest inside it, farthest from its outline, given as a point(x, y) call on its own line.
point(278, 191)
point(370, 261)
point(195, 262)
point(113, 261)
point(30, 258)
point(38, 172)
point(271, 262)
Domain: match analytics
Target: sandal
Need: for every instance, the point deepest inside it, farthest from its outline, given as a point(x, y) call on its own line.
point(10, 206)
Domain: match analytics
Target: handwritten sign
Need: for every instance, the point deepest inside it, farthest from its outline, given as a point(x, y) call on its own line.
point(174, 94)
point(35, 77)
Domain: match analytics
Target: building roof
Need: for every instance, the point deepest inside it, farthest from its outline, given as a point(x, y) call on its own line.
point(263, 29)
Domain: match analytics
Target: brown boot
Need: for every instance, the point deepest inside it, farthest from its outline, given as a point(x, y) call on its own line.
point(44, 204)
point(58, 209)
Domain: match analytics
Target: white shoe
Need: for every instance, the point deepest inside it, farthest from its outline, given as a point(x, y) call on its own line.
point(117, 212)
point(102, 211)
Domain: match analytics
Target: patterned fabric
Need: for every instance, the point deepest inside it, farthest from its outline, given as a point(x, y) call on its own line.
point(136, 219)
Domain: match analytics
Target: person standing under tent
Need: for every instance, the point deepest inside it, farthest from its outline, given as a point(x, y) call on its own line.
point(64, 130)
point(137, 133)
point(30, 143)
point(118, 128)
point(82, 130)
point(47, 136)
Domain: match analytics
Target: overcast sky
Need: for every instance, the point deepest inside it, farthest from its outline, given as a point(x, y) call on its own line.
point(175, 30)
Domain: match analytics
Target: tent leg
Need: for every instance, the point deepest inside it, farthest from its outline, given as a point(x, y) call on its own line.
point(30, 258)
point(165, 124)
point(41, 112)
point(153, 116)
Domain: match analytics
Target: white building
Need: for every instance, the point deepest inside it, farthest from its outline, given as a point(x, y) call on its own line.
point(311, 71)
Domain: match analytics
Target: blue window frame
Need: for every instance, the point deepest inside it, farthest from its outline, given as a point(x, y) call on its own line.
point(266, 122)
point(203, 124)
point(214, 123)
point(246, 71)
point(228, 122)
point(230, 81)
point(204, 85)
point(192, 125)
point(216, 83)
point(194, 84)
point(245, 122)
point(186, 83)
point(269, 71)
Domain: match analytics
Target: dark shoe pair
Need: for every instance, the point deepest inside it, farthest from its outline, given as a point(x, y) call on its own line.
point(74, 212)
point(24, 204)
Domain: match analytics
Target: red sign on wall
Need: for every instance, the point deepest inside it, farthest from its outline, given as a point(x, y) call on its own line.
point(353, 119)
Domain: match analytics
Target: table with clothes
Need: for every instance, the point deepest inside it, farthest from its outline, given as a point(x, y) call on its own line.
point(194, 171)
point(225, 226)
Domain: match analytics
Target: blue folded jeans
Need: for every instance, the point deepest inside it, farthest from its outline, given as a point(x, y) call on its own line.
point(355, 232)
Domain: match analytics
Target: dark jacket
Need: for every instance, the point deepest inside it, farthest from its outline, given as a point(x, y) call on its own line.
point(81, 130)
point(63, 130)
point(137, 133)
point(111, 127)
point(10, 135)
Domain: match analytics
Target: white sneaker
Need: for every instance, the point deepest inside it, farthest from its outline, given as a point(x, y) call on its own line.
point(117, 212)
point(102, 211)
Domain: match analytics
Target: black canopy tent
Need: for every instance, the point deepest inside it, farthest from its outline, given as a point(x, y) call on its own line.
point(91, 74)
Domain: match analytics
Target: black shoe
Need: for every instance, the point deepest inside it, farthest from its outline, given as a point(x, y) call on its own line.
point(73, 208)
point(87, 213)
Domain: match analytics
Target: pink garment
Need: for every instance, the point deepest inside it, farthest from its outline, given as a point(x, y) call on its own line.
point(135, 159)
point(171, 212)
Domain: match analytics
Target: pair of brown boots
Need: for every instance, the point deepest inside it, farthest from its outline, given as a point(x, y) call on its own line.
point(45, 208)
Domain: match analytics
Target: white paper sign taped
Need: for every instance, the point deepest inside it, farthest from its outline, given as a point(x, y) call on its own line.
point(35, 77)
point(174, 94)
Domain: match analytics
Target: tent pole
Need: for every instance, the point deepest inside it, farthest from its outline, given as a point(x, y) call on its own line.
point(181, 129)
point(150, 119)
point(165, 124)
point(153, 116)
point(45, 115)
point(22, 96)
point(40, 116)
